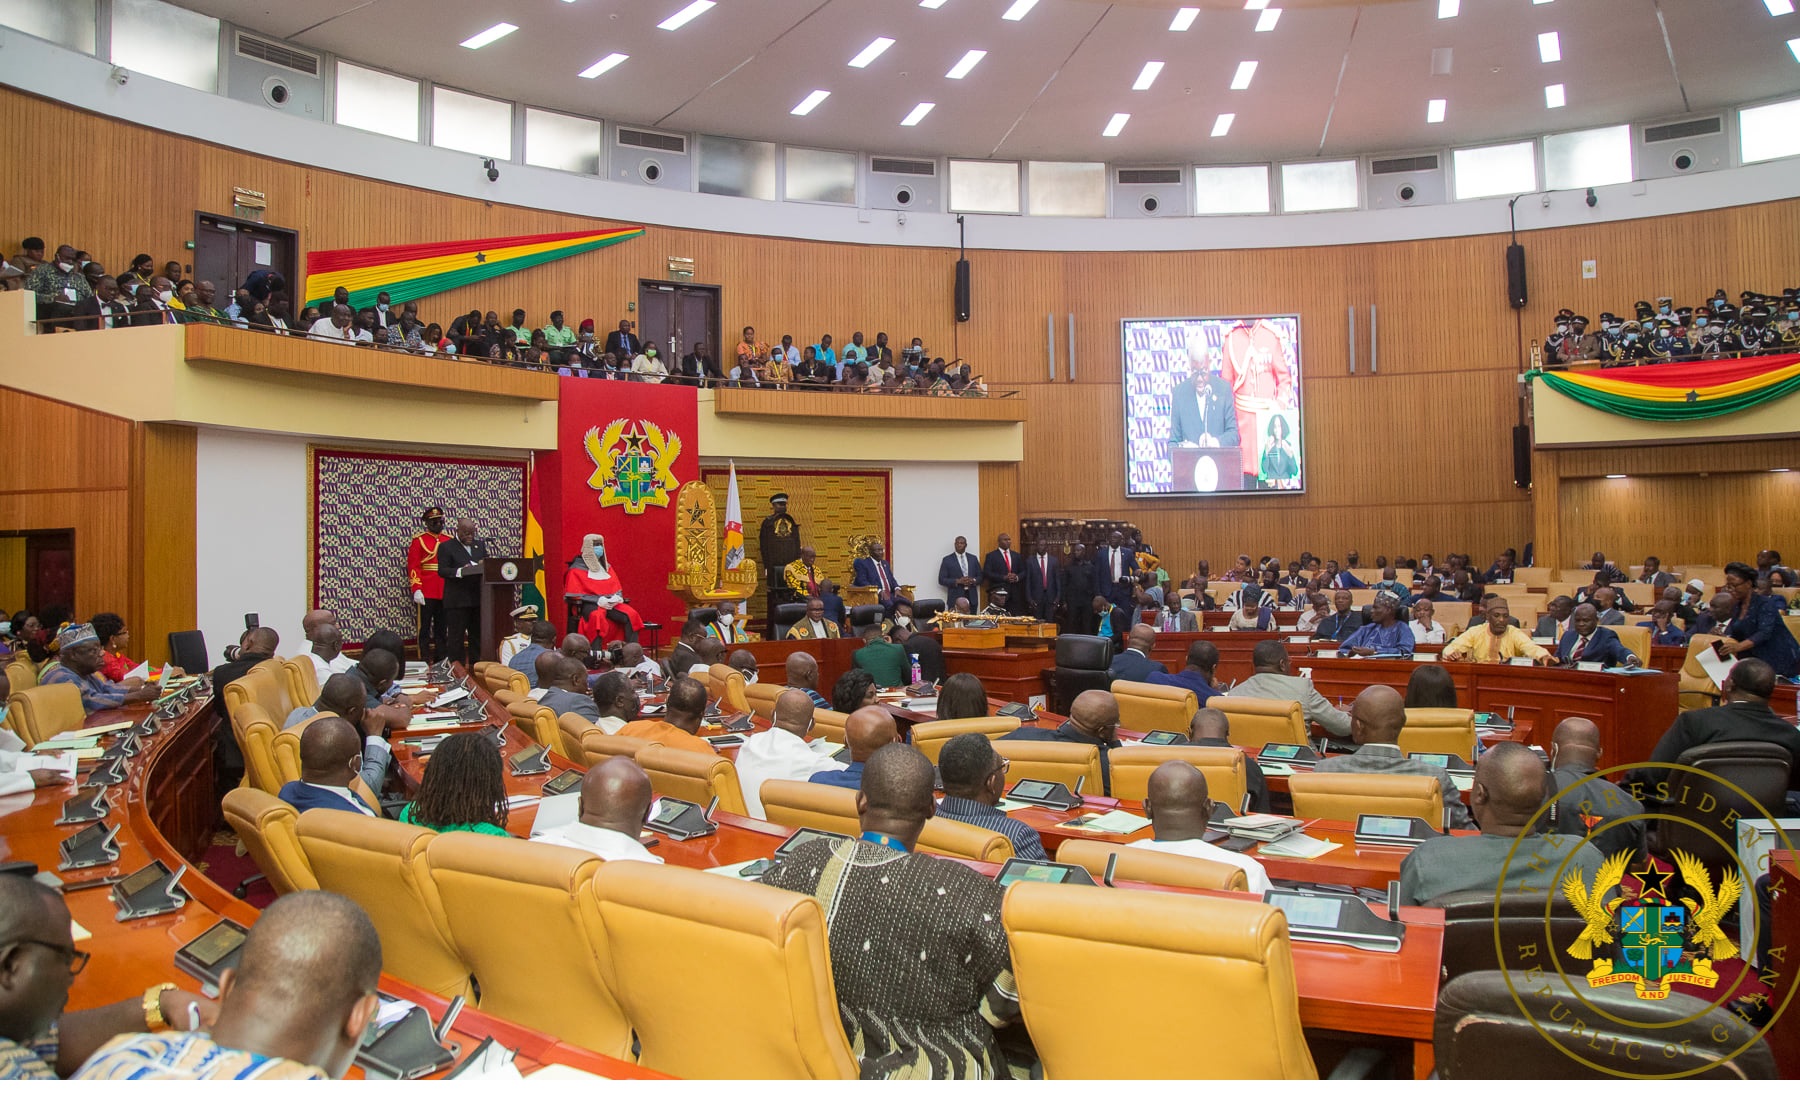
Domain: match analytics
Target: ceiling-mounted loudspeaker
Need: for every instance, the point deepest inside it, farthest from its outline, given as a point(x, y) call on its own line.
point(275, 91)
point(1150, 204)
point(1683, 160)
point(650, 171)
point(1406, 192)
point(903, 195)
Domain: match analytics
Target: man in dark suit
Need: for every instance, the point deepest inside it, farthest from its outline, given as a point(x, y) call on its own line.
point(1114, 564)
point(1201, 409)
point(1002, 568)
point(1197, 675)
point(1078, 593)
point(1134, 662)
point(1586, 640)
point(959, 573)
point(1343, 621)
point(331, 755)
point(623, 344)
point(1553, 623)
point(1743, 715)
point(1093, 721)
point(459, 565)
point(875, 570)
point(103, 311)
point(1043, 582)
point(924, 647)
point(694, 367)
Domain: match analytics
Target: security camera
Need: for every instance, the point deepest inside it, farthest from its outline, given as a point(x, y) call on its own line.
point(1592, 198)
point(493, 173)
point(120, 75)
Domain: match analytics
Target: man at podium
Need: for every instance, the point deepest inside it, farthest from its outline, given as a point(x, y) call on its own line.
point(459, 565)
point(1201, 410)
point(606, 617)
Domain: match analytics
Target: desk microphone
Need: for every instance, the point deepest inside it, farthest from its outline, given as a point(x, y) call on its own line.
point(1393, 900)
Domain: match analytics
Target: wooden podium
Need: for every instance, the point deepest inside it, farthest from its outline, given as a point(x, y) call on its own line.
point(1218, 469)
point(501, 578)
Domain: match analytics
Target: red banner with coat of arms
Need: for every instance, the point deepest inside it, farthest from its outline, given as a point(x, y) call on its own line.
point(623, 450)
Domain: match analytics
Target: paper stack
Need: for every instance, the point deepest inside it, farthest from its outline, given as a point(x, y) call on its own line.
point(1260, 827)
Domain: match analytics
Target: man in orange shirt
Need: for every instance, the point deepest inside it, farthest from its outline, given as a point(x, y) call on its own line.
point(428, 585)
point(679, 728)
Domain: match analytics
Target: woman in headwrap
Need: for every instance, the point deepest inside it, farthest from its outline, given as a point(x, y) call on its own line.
point(605, 617)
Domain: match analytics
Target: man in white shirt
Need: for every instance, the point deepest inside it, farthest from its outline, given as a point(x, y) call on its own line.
point(327, 653)
point(782, 752)
point(615, 803)
point(617, 700)
point(336, 326)
point(19, 767)
point(1178, 806)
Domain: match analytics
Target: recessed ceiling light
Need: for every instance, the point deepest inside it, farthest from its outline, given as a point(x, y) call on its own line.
point(1434, 110)
point(1019, 10)
point(1184, 18)
point(1222, 125)
point(812, 100)
point(1255, 5)
point(963, 67)
point(1794, 46)
point(1615, 475)
point(1778, 469)
point(1553, 96)
point(1540, 1)
point(605, 64)
point(489, 36)
point(918, 114)
point(933, 4)
point(1245, 71)
point(686, 15)
point(870, 52)
point(1549, 47)
point(1780, 7)
point(1116, 126)
point(1152, 69)
point(1447, 9)
point(1267, 20)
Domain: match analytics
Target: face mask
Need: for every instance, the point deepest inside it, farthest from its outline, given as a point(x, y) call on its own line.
point(1793, 316)
point(903, 621)
point(1718, 302)
point(65, 267)
point(1700, 321)
point(1631, 337)
point(1562, 329)
point(587, 340)
point(165, 295)
point(651, 353)
point(1664, 310)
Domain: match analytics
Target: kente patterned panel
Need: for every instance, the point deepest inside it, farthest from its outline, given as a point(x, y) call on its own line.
point(833, 507)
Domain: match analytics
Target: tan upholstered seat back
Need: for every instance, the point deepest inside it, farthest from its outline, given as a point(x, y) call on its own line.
point(42, 712)
point(303, 682)
point(681, 943)
point(20, 675)
point(948, 837)
point(929, 738)
point(507, 698)
point(1165, 869)
point(1145, 707)
point(1256, 722)
point(1343, 796)
point(829, 725)
point(267, 827)
point(1696, 689)
point(1064, 762)
point(1224, 766)
point(597, 746)
point(261, 740)
point(380, 865)
point(1166, 953)
point(269, 683)
point(818, 806)
point(569, 729)
point(523, 915)
point(725, 686)
point(694, 777)
point(1439, 730)
point(1635, 640)
point(761, 697)
point(537, 721)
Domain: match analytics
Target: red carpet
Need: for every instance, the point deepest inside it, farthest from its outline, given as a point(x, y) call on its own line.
point(226, 868)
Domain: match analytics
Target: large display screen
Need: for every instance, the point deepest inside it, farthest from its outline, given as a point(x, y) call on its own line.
point(1212, 406)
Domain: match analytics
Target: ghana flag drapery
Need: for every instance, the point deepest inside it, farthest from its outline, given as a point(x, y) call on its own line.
point(1679, 391)
point(419, 270)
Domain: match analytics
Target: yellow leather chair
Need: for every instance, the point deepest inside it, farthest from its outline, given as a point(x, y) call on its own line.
point(681, 943)
point(761, 697)
point(269, 760)
point(948, 837)
point(303, 682)
point(929, 738)
point(1145, 707)
point(539, 722)
point(1694, 689)
point(1165, 869)
point(44, 711)
point(569, 729)
point(270, 678)
point(1637, 641)
point(725, 687)
point(1440, 730)
point(1072, 946)
point(1255, 722)
point(546, 974)
point(1529, 577)
point(1064, 762)
point(20, 675)
point(1227, 778)
point(801, 803)
point(268, 828)
point(829, 725)
point(694, 777)
point(1453, 612)
point(499, 676)
point(480, 670)
point(597, 746)
point(507, 698)
point(381, 866)
point(1343, 796)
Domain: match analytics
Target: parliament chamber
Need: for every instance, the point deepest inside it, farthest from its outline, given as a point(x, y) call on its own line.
point(620, 575)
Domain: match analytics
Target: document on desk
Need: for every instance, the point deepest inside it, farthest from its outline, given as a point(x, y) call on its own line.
point(1463, 781)
point(1118, 822)
point(431, 719)
point(51, 745)
point(1010, 805)
point(141, 671)
point(1298, 846)
point(1716, 666)
point(450, 697)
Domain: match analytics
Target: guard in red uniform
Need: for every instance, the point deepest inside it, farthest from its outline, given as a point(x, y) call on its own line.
point(427, 587)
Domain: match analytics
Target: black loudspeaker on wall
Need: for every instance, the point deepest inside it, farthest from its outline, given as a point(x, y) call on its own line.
point(1515, 275)
point(962, 291)
point(1521, 455)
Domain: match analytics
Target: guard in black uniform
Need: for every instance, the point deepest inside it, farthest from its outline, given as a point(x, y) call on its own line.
point(779, 540)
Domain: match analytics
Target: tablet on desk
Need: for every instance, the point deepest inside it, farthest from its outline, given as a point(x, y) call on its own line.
point(529, 761)
point(806, 835)
point(1016, 870)
point(1165, 738)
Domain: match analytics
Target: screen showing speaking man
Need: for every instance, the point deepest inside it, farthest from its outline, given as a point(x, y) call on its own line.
point(1212, 406)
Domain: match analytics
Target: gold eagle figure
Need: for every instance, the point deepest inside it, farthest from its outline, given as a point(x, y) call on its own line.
point(1594, 909)
point(1706, 913)
point(599, 449)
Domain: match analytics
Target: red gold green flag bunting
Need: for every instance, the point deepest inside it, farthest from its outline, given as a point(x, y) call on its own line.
point(1680, 390)
point(420, 270)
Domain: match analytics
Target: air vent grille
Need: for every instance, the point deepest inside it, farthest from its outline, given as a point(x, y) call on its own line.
point(1149, 176)
point(261, 49)
point(1681, 131)
point(888, 165)
point(661, 142)
point(1403, 165)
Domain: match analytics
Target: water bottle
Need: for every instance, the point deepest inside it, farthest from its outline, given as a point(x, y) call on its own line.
point(918, 675)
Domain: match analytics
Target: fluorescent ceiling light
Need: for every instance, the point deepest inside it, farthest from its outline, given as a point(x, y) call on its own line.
point(605, 64)
point(1553, 96)
point(1540, 1)
point(963, 67)
point(1615, 475)
point(1447, 9)
point(1778, 469)
point(870, 52)
point(1245, 71)
point(1794, 47)
point(686, 15)
point(1222, 125)
point(1267, 20)
point(1116, 126)
point(1255, 5)
point(1434, 110)
point(489, 36)
point(1184, 18)
point(1780, 7)
point(1152, 69)
point(933, 4)
point(1549, 47)
point(1019, 10)
point(918, 114)
point(807, 104)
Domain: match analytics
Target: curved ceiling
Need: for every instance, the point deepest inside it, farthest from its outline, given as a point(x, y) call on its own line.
point(1331, 78)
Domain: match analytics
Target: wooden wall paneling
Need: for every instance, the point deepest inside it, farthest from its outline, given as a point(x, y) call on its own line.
point(1687, 518)
point(997, 487)
point(163, 514)
point(1546, 492)
point(1752, 455)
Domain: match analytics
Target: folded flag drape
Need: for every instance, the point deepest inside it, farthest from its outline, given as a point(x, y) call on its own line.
point(1678, 391)
point(419, 270)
